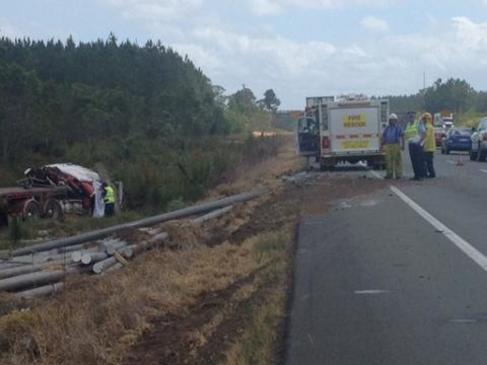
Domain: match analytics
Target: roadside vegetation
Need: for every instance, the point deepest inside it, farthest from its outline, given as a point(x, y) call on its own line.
point(145, 112)
point(153, 120)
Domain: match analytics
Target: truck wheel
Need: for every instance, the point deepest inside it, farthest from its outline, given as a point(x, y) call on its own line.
point(52, 209)
point(31, 210)
point(3, 220)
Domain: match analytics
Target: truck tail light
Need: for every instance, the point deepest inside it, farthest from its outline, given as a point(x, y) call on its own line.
point(325, 143)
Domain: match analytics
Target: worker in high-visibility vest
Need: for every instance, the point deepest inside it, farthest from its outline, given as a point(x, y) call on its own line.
point(109, 200)
point(411, 130)
point(415, 133)
point(429, 145)
point(393, 143)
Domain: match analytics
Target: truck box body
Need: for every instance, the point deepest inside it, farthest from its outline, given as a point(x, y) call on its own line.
point(352, 128)
point(349, 130)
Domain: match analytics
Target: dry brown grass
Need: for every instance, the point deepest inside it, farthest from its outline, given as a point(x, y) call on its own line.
point(95, 321)
point(259, 340)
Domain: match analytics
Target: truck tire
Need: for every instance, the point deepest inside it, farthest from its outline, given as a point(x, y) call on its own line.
point(52, 209)
point(31, 210)
point(3, 220)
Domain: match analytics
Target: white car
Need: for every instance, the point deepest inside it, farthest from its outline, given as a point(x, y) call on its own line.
point(479, 142)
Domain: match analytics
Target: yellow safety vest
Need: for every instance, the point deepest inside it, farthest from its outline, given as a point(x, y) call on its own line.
point(429, 141)
point(411, 131)
point(109, 195)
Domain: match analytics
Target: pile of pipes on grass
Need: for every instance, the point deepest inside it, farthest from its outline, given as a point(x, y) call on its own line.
point(40, 269)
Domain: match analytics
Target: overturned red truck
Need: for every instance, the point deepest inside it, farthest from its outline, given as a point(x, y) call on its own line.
point(51, 191)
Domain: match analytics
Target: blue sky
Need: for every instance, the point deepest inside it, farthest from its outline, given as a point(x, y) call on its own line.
point(297, 47)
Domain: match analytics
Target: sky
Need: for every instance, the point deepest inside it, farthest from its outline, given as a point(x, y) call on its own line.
point(298, 48)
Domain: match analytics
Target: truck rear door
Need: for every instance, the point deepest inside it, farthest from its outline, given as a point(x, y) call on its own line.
point(308, 136)
point(354, 129)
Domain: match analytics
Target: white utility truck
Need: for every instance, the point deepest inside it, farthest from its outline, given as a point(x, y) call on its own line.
point(345, 129)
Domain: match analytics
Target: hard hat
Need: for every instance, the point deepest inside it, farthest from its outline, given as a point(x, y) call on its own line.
point(427, 117)
point(393, 116)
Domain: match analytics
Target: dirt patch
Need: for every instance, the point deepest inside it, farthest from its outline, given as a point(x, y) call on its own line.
point(181, 339)
point(325, 192)
point(279, 210)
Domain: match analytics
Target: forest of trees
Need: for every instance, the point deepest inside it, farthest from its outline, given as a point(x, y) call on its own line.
point(144, 111)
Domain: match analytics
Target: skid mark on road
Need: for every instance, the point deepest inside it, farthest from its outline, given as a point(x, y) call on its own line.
point(458, 241)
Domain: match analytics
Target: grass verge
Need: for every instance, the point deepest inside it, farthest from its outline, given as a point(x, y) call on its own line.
point(260, 341)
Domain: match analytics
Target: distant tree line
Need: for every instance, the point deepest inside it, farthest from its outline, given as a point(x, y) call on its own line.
point(454, 95)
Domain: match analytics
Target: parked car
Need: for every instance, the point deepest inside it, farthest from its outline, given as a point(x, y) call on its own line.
point(440, 133)
point(456, 139)
point(479, 141)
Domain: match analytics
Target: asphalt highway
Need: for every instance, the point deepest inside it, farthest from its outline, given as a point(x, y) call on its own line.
point(398, 277)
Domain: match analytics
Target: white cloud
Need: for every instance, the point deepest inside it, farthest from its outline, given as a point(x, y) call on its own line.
point(355, 51)
point(162, 10)
point(375, 24)
point(273, 7)
point(471, 35)
point(261, 59)
point(277, 55)
point(265, 7)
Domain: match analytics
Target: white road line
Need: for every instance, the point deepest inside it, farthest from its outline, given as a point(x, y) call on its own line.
point(370, 292)
point(484, 171)
point(477, 256)
point(463, 320)
point(311, 340)
point(376, 174)
point(451, 162)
